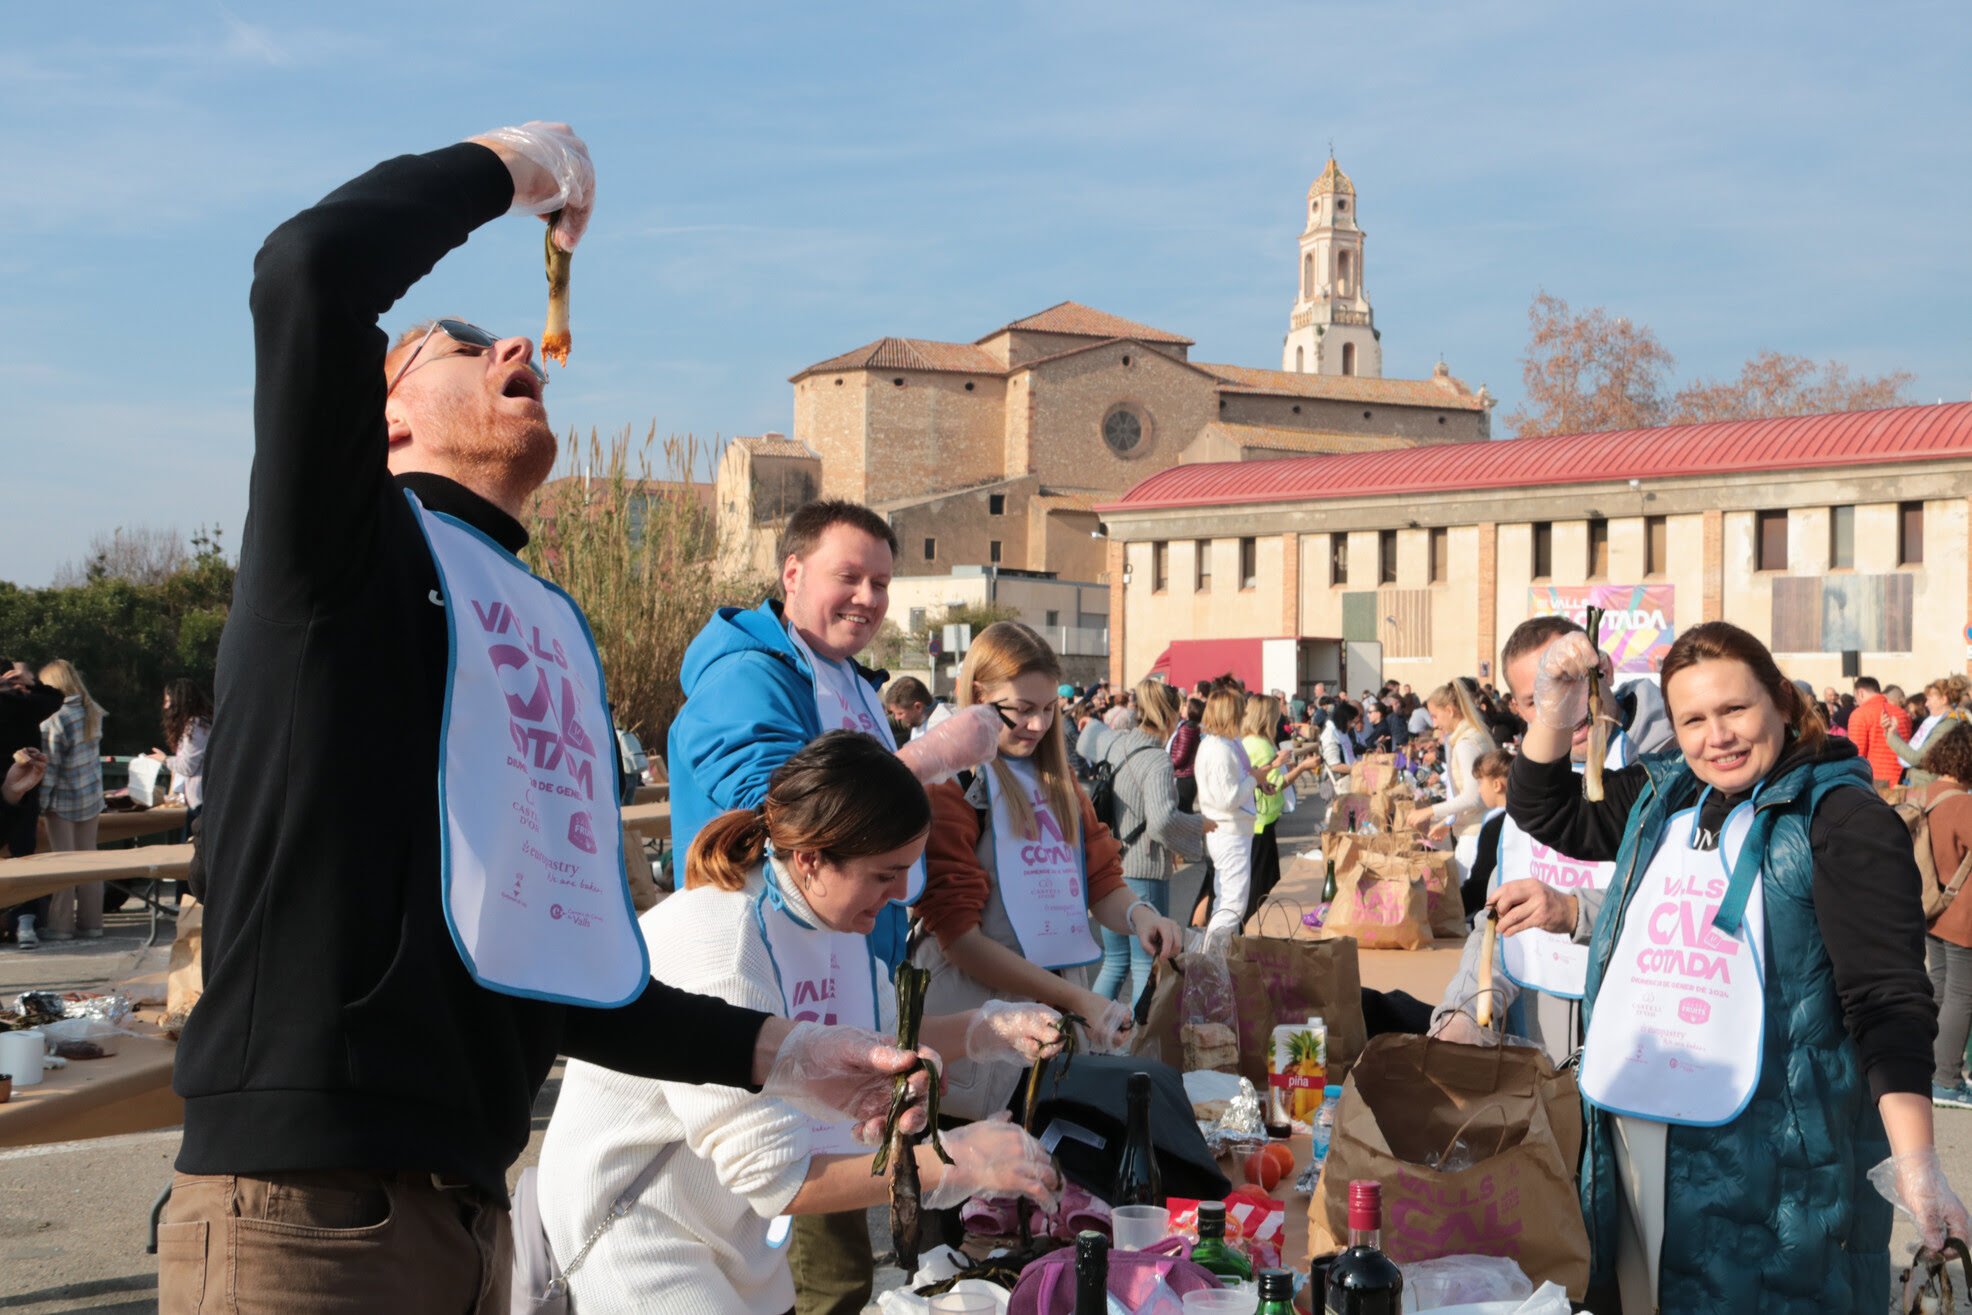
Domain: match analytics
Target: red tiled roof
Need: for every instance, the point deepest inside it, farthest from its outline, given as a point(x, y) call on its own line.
point(1852, 438)
point(1442, 390)
point(911, 354)
point(1085, 321)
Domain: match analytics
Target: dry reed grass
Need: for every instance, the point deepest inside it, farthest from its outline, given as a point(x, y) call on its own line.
point(628, 531)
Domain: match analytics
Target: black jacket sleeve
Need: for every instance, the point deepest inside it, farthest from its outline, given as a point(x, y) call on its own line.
point(670, 1035)
point(321, 282)
point(1473, 889)
point(1867, 904)
point(1546, 800)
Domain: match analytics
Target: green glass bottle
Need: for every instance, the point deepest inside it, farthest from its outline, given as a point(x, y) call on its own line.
point(1328, 886)
point(1213, 1252)
point(1276, 1293)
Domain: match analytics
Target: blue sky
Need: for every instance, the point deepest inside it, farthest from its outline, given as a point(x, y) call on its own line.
point(780, 183)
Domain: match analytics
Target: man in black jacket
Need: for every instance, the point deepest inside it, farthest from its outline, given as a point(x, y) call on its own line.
point(24, 704)
point(354, 1095)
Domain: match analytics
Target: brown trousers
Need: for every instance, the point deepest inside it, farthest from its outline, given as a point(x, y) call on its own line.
point(331, 1242)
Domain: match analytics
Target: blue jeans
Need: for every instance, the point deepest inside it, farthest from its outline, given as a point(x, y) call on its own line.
point(1123, 956)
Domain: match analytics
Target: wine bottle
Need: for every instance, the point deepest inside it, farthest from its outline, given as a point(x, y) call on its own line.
point(1137, 1180)
point(1213, 1252)
point(1091, 1274)
point(1362, 1280)
point(1276, 1293)
point(1328, 886)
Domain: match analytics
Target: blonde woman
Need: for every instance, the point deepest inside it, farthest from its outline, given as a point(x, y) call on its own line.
point(72, 796)
point(1226, 790)
point(1019, 872)
point(1271, 780)
point(1454, 710)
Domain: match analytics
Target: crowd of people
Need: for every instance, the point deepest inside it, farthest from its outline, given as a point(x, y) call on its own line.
point(361, 1073)
point(51, 732)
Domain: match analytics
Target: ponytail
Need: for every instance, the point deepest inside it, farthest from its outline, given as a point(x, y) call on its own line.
point(726, 849)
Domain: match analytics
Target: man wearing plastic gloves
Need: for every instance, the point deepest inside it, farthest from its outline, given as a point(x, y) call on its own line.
point(762, 682)
point(416, 894)
point(1546, 902)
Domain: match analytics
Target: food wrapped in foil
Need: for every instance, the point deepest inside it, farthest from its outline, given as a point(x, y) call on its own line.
point(111, 1008)
point(38, 1007)
point(1242, 1127)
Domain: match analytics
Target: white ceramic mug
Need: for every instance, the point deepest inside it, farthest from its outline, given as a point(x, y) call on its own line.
point(21, 1054)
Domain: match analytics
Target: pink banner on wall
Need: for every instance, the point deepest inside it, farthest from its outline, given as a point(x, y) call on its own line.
point(1637, 628)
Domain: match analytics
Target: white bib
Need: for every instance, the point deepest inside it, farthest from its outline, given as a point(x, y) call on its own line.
point(844, 701)
point(1680, 1021)
point(1042, 882)
point(827, 977)
point(1540, 960)
point(534, 886)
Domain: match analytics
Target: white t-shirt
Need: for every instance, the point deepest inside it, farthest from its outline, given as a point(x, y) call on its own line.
point(939, 712)
point(696, 1240)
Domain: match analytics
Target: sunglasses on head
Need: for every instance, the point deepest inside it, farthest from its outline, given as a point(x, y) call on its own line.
point(466, 334)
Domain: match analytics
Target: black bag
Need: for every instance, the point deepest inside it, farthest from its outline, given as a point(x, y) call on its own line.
point(1091, 1094)
point(1102, 794)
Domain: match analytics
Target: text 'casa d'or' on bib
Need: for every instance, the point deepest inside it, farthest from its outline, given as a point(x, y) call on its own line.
point(1538, 960)
point(1679, 1024)
point(1042, 882)
point(534, 887)
point(844, 701)
point(824, 976)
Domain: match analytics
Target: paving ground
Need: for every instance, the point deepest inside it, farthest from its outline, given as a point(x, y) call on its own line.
point(73, 1216)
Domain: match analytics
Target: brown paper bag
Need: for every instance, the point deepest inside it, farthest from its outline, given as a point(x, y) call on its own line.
point(1408, 1100)
point(1390, 806)
point(1371, 772)
point(1187, 1017)
point(184, 979)
point(1287, 979)
point(1348, 812)
point(1383, 911)
point(1444, 905)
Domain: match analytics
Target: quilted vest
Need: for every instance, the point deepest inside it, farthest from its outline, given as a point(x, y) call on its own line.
point(1771, 1212)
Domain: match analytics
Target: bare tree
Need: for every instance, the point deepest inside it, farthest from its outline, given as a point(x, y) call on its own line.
point(1775, 385)
point(144, 554)
point(1588, 372)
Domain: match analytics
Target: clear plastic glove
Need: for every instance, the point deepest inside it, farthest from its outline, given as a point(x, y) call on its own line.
point(1915, 1180)
point(1561, 683)
point(1464, 1029)
point(968, 738)
point(1002, 1031)
point(845, 1073)
point(993, 1158)
point(1109, 1026)
point(551, 170)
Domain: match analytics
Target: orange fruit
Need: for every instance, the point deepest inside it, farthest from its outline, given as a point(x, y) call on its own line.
point(1263, 1170)
point(1283, 1158)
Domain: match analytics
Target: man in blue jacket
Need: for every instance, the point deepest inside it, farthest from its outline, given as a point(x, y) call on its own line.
point(761, 683)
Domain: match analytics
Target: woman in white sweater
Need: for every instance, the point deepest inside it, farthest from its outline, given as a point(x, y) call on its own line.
point(1225, 797)
point(779, 900)
point(1455, 716)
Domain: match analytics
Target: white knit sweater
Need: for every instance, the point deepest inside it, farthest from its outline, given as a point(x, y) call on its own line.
point(696, 1242)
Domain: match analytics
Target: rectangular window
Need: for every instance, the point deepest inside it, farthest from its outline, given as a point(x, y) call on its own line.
point(1338, 560)
point(1543, 549)
point(996, 504)
point(930, 548)
point(1441, 555)
point(1598, 550)
point(1841, 538)
point(1054, 618)
point(1386, 557)
point(1656, 544)
point(1910, 534)
point(1770, 540)
point(993, 551)
point(1202, 566)
point(1249, 563)
point(1160, 566)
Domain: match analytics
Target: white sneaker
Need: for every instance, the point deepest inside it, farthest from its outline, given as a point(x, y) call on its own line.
point(26, 937)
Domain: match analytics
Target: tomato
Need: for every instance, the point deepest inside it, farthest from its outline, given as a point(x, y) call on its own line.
point(1263, 1170)
point(1283, 1158)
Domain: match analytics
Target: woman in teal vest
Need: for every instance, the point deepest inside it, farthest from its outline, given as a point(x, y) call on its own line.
point(1759, 1021)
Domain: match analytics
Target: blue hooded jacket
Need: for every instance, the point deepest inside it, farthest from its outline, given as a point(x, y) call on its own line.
point(749, 707)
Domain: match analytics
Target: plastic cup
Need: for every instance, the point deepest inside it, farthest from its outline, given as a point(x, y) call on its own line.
point(1217, 1301)
point(964, 1303)
point(1139, 1227)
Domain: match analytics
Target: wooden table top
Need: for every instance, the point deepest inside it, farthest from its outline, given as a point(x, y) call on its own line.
point(23, 879)
point(128, 1091)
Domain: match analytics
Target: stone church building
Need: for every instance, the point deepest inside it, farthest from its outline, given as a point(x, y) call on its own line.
point(995, 452)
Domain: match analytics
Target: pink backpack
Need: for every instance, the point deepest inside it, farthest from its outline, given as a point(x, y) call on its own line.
point(1047, 1287)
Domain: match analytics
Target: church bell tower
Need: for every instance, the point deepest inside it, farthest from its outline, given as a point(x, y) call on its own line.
point(1333, 329)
